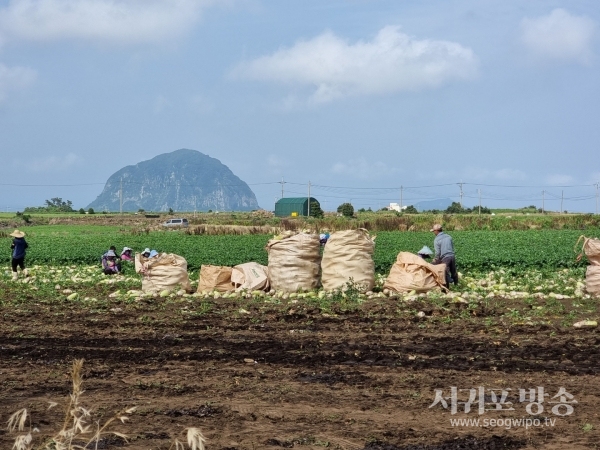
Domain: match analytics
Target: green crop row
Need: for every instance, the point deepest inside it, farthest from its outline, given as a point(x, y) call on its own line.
point(475, 250)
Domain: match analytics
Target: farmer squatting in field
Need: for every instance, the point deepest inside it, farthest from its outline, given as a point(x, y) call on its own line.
point(444, 253)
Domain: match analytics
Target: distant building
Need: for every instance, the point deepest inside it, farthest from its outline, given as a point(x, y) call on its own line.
point(396, 207)
point(293, 206)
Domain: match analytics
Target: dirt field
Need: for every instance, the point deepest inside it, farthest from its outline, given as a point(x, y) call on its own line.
point(284, 376)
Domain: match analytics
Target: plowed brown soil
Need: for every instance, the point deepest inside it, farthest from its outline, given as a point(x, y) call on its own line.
point(288, 376)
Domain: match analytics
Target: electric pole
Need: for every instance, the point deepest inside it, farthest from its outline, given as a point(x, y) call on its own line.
point(401, 189)
point(479, 191)
point(461, 193)
point(562, 197)
point(543, 210)
point(308, 198)
point(282, 183)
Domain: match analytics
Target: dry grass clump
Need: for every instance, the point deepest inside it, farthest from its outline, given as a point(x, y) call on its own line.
point(231, 229)
point(79, 431)
point(195, 440)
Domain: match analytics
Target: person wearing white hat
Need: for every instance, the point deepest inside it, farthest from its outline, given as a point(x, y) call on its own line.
point(18, 247)
point(425, 252)
point(110, 263)
point(444, 253)
point(127, 254)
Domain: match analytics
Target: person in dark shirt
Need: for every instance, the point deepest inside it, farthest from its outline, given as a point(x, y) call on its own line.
point(19, 247)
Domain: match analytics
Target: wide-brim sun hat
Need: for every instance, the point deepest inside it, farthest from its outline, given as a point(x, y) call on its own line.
point(425, 251)
point(111, 253)
point(17, 234)
point(153, 253)
point(436, 227)
point(125, 249)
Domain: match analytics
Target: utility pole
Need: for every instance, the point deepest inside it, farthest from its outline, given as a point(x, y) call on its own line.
point(121, 197)
point(308, 198)
point(401, 189)
point(562, 197)
point(543, 210)
point(461, 193)
point(479, 191)
point(282, 183)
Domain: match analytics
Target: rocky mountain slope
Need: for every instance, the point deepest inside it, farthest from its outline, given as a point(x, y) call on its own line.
point(183, 180)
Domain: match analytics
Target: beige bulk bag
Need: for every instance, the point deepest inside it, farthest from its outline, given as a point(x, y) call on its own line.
point(592, 280)
point(250, 276)
point(348, 254)
point(294, 262)
point(591, 248)
point(215, 278)
point(412, 273)
point(164, 271)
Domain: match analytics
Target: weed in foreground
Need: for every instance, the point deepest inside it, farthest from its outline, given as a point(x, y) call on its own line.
point(79, 431)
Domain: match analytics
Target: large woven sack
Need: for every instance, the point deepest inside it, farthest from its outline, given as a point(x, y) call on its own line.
point(294, 262)
point(348, 255)
point(592, 280)
point(412, 273)
point(250, 276)
point(215, 278)
point(591, 248)
point(164, 271)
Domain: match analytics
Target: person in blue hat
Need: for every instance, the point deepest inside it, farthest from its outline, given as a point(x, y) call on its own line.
point(425, 252)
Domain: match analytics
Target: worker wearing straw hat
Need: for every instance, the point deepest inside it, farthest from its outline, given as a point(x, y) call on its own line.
point(18, 246)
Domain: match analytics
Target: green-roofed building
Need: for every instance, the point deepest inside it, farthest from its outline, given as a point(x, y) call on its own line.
point(293, 206)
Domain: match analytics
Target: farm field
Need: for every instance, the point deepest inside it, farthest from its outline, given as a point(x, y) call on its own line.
point(477, 250)
point(308, 373)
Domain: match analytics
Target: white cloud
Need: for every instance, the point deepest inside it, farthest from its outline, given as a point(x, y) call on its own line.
point(52, 163)
point(391, 62)
point(277, 162)
point(123, 21)
point(12, 78)
point(504, 174)
point(560, 180)
point(594, 178)
point(478, 174)
point(559, 36)
point(362, 169)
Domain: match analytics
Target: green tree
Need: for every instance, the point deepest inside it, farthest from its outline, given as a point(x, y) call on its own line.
point(315, 210)
point(81, 211)
point(455, 208)
point(346, 209)
point(91, 211)
point(57, 204)
point(411, 210)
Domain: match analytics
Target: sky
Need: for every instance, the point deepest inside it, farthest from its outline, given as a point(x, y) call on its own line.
point(366, 101)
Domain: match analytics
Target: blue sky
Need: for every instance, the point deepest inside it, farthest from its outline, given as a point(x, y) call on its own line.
point(366, 99)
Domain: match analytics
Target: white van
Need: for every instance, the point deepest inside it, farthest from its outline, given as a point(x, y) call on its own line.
point(176, 223)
